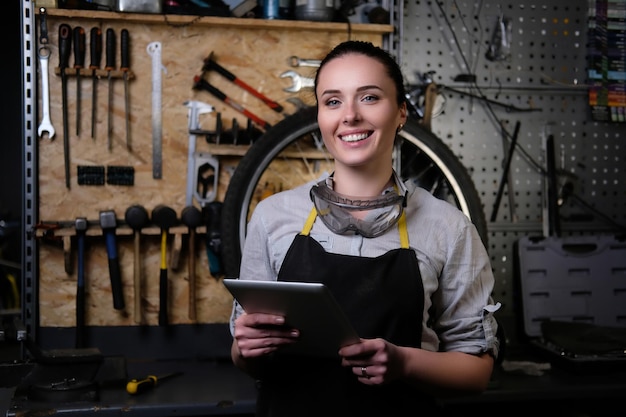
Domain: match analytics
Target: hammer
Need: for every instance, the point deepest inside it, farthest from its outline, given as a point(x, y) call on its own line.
point(164, 217)
point(108, 224)
point(136, 217)
point(191, 217)
point(81, 227)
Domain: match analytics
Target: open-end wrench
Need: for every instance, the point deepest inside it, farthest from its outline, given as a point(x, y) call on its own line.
point(298, 81)
point(295, 61)
point(46, 124)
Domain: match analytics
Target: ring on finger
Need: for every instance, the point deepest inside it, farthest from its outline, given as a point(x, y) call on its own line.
point(364, 372)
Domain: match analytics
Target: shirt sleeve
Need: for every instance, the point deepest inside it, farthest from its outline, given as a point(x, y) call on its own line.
point(463, 303)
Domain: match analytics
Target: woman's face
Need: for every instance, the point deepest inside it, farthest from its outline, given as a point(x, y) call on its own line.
point(357, 110)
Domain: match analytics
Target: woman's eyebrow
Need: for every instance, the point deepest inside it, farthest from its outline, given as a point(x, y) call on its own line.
point(362, 88)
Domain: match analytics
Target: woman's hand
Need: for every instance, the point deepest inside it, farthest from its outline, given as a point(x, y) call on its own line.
point(260, 334)
point(373, 361)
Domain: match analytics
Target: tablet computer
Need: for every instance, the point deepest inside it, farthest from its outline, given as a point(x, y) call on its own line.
point(307, 306)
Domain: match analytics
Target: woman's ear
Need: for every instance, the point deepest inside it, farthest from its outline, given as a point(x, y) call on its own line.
point(403, 113)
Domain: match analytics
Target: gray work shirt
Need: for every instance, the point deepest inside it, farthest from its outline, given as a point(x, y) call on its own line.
point(453, 262)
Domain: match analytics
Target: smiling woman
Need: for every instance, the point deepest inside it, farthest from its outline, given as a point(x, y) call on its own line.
point(390, 252)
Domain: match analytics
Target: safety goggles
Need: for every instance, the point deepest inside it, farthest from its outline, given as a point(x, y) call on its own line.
point(335, 209)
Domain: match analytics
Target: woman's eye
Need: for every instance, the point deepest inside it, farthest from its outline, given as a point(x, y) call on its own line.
point(370, 98)
point(332, 102)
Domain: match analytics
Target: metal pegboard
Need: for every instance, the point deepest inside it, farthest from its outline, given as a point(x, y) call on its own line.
point(541, 85)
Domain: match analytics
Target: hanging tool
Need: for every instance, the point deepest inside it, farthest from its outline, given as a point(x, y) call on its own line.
point(154, 50)
point(213, 214)
point(136, 217)
point(206, 180)
point(202, 84)
point(296, 61)
point(505, 173)
point(95, 43)
point(192, 218)
point(211, 64)
point(65, 44)
point(298, 81)
point(164, 217)
point(108, 223)
point(44, 57)
point(79, 63)
point(125, 67)
point(137, 386)
point(552, 190)
point(81, 226)
point(110, 66)
point(196, 108)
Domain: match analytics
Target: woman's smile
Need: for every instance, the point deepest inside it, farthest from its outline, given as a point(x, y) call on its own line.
point(355, 137)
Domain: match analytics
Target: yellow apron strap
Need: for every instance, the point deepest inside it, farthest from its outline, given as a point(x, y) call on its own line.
point(309, 222)
point(404, 234)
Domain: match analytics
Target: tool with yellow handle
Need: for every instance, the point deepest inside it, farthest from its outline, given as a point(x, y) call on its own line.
point(137, 386)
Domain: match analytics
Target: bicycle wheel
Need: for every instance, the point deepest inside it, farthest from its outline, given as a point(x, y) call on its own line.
point(292, 152)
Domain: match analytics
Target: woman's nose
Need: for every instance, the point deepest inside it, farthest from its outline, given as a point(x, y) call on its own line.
point(351, 115)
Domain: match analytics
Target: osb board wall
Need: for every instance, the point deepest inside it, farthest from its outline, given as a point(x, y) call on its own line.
point(256, 55)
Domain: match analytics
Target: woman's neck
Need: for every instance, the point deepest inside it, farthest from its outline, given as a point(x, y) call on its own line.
point(361, 183)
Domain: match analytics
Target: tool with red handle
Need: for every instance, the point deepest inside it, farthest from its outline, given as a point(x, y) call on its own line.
point(211, 64)
point(202, 84)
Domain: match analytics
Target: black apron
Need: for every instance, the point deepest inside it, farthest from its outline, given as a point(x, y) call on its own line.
point(383, 297)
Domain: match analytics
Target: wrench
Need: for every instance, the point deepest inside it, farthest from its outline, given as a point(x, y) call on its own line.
point(295, 61)
point(299, 82)
point(45, 125)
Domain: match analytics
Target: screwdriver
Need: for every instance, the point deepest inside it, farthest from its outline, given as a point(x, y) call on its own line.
point(125, 68)
point(79, 63)
point(65, 45)
point(109, 67)
point(95, 42)
point(137, 386)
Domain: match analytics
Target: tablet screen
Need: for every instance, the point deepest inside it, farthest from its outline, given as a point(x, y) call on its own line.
point(308, 306)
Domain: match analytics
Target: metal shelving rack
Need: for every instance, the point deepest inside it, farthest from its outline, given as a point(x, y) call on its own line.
point(29, 178)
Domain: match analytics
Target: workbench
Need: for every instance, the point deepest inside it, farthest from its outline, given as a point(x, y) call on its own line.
point(217, 388)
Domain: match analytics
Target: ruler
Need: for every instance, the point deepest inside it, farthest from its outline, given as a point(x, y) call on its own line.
point(154, 50)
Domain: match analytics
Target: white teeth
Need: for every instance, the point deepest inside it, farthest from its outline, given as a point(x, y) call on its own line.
point(354, 138)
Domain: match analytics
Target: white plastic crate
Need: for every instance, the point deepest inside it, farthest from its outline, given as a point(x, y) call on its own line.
point(577, 279)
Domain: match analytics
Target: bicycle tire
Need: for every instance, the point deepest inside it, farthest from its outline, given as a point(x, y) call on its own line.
point(432, 165)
